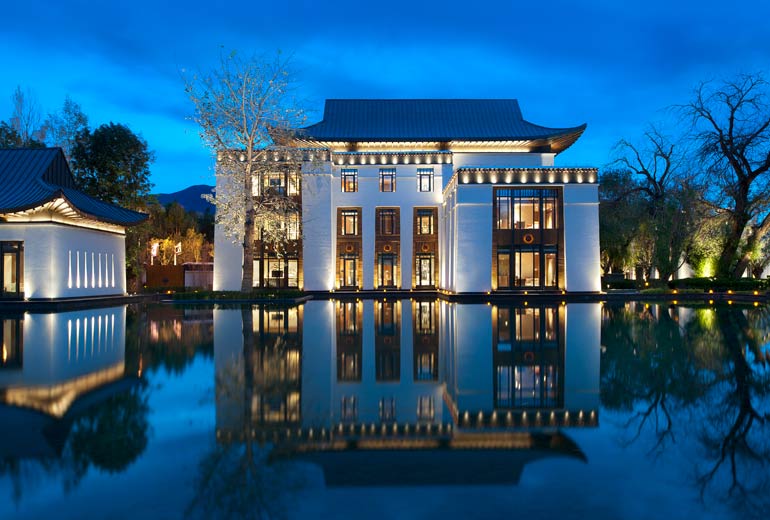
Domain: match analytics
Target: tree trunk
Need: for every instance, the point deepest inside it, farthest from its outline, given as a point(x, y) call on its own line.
point(249, 234)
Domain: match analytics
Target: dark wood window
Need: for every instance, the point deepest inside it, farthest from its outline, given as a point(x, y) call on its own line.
point(387, 179)
point(424, 221)
point(349, 180)
point(387, 222)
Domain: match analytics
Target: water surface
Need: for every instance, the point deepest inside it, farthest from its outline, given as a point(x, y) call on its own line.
point(383, 408)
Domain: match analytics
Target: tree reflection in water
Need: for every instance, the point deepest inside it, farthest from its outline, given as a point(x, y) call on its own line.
point(108, 436)
point(239, 479)
point(698, 375)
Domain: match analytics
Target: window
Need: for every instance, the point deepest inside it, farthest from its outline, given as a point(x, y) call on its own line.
point(424, 179)
point(349, 408)
point(294, 183)
point(349, 180)
point(424, 319)
point(426, 367)
point(425, 410)
point(12, 269)
point(349, 222)
point(387, 179)
point(275, 183)
point(424, 221)
point(387, 221)
point(388, 409)
point(503, 209)
point(503, 268)
point(292, 226)
point(12, 337)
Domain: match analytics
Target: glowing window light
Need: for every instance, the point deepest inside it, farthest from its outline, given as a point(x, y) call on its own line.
point(69, 339)
point(100, 269)
point(77, 269)
point(85, 336)
point(106, 270)
point(85, 269)
point(113, 272)
point(69, 270)
point(93, 270)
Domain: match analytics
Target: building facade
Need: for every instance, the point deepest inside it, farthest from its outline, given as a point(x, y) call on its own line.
point(57, 242)
point(454, 195)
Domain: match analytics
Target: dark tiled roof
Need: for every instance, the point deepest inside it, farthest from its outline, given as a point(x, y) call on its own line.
point(432, 120)
point(31, 177)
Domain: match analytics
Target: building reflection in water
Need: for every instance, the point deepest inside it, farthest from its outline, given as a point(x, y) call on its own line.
point(330, 381)
point(50, 363)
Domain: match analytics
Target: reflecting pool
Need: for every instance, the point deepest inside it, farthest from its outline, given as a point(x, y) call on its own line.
point(386, 408)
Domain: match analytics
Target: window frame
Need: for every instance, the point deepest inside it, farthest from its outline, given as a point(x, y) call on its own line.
point(422, 174)
point(349, 180)
point(389, 175)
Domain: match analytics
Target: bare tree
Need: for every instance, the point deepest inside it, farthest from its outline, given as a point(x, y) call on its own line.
point(67, 127)
point(661, 179)
point(26, 119)
point(731, 125)
point(246, 109)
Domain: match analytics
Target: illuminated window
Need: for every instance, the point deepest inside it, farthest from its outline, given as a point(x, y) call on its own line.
point(424, 221)
point(388, 409)
point(387, 179)
point(425, 408)
point(11, 356)
point(349, 222)
point(425, 179)
point(349, 180)
point(292, 226)
point(349, 408)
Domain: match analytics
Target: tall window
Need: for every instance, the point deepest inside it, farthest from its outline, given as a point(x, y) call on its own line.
point(424, 221)
point(12, 269)
point(424, 179)
point(275, 183)
point(387, 179)
point(292, 226)
point(503, 209)
point(387, 221)
point(349, 180)
point(349, 222)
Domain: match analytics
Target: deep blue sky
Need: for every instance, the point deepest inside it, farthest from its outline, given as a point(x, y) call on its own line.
point(614, 65)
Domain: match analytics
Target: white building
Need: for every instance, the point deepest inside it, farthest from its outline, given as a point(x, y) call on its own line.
point(57, 242)
point(459, 195)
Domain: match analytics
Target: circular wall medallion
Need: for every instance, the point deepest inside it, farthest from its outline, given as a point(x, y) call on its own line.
point(528, 238)
point(387, 248)
point(425, 248)
point(349, 248)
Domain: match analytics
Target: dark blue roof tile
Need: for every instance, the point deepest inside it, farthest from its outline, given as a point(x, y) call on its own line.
point(356, 120)
point(31, 177)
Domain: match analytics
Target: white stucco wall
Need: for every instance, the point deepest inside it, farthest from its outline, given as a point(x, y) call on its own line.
point(228, 253)
point(581, 238)
point(62, 346)
point(62, 261)
point(369, 198)
point(582, 354)
point(318, 234)
point(473, 244)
